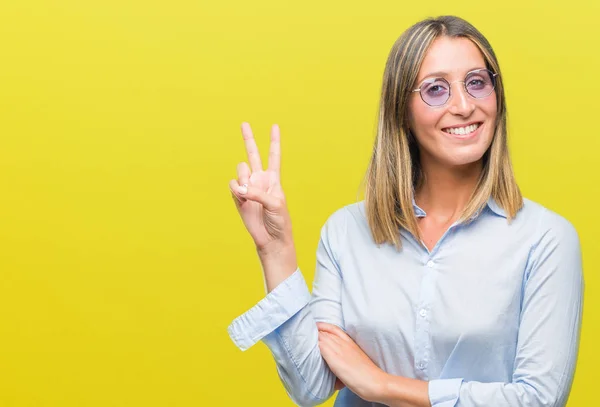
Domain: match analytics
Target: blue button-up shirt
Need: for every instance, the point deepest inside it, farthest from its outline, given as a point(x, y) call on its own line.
point(490, 317)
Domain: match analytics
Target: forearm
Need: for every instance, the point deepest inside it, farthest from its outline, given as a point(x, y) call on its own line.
point(398, 391)
point(278, 263)
point(284, 321)
point(301, 368)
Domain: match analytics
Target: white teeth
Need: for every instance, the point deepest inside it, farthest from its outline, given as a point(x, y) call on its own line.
point(462, 130)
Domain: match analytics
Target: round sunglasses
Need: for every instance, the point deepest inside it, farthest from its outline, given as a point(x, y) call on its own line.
point(478, 83)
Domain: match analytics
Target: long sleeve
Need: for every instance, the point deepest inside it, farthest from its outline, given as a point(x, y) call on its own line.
point(285, 320)
point(548, 336)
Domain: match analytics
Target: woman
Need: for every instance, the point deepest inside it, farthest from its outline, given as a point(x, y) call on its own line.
point(444, 287)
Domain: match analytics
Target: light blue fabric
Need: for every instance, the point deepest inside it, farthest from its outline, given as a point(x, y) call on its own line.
point(490, 317)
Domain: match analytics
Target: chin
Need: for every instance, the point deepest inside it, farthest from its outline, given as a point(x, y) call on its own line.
point(452, 154)
point(465, 158)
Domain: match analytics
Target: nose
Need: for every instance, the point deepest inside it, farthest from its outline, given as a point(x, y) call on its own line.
point(460, 102)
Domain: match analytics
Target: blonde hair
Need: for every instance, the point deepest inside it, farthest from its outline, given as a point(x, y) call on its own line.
point(394, 171)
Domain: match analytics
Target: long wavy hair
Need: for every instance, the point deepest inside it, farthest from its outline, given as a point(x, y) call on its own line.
point(394, 172)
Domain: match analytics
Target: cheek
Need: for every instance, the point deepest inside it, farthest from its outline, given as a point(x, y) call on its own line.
point(422, 118)
point(491, 108)
point(491, 112)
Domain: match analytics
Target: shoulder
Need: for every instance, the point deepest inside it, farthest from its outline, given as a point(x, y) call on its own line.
point(549, 226)
point(354, 211)
point(348, 219)
point(556, 249)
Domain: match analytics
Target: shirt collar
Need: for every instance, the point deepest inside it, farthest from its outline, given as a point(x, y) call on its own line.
point(491, 204)
point(420, 213)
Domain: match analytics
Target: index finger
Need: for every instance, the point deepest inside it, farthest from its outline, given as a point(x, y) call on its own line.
point(251, 148)
point(275, 149)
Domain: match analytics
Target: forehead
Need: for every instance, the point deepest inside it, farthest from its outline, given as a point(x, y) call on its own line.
point(453, 56)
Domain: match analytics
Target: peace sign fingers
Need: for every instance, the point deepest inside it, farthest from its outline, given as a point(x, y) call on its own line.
point(251, 148)
point(261, 202)
point(275, 150)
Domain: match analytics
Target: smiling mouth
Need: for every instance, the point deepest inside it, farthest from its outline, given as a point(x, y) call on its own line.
point(462, 131)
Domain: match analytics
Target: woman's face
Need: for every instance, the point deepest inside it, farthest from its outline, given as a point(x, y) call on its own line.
point(435, 127)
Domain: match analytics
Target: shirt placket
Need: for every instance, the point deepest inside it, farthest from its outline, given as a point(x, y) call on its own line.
point(424, 306)
point(423, 318)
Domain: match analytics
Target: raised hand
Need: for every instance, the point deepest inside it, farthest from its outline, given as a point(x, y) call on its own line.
point(259, 197)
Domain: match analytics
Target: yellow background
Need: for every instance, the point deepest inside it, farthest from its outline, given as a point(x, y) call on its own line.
point(122, 258)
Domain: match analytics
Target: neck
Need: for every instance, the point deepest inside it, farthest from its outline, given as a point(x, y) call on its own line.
point(445, 191)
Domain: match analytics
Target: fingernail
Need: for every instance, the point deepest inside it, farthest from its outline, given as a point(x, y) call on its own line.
point(243, 189)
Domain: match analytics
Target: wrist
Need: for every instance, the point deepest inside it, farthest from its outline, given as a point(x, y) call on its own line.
point(376, 389)
point(276, 249)
point(399, 391)
point(384, 389)
point(278, 262)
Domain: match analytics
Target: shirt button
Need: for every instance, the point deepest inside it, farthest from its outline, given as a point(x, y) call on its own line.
point(423, 313)
point(430, 263)
point(421, 365)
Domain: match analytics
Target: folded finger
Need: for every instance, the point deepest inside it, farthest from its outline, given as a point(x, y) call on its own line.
point(330, 340)
point(333, 330)
point(243, 173)
point(233, 187)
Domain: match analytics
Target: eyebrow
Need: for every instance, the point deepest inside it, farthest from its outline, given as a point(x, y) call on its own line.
point(444, 74)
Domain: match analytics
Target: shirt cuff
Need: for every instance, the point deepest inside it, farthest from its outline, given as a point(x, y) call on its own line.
point(282, 303)
point(444, 392)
